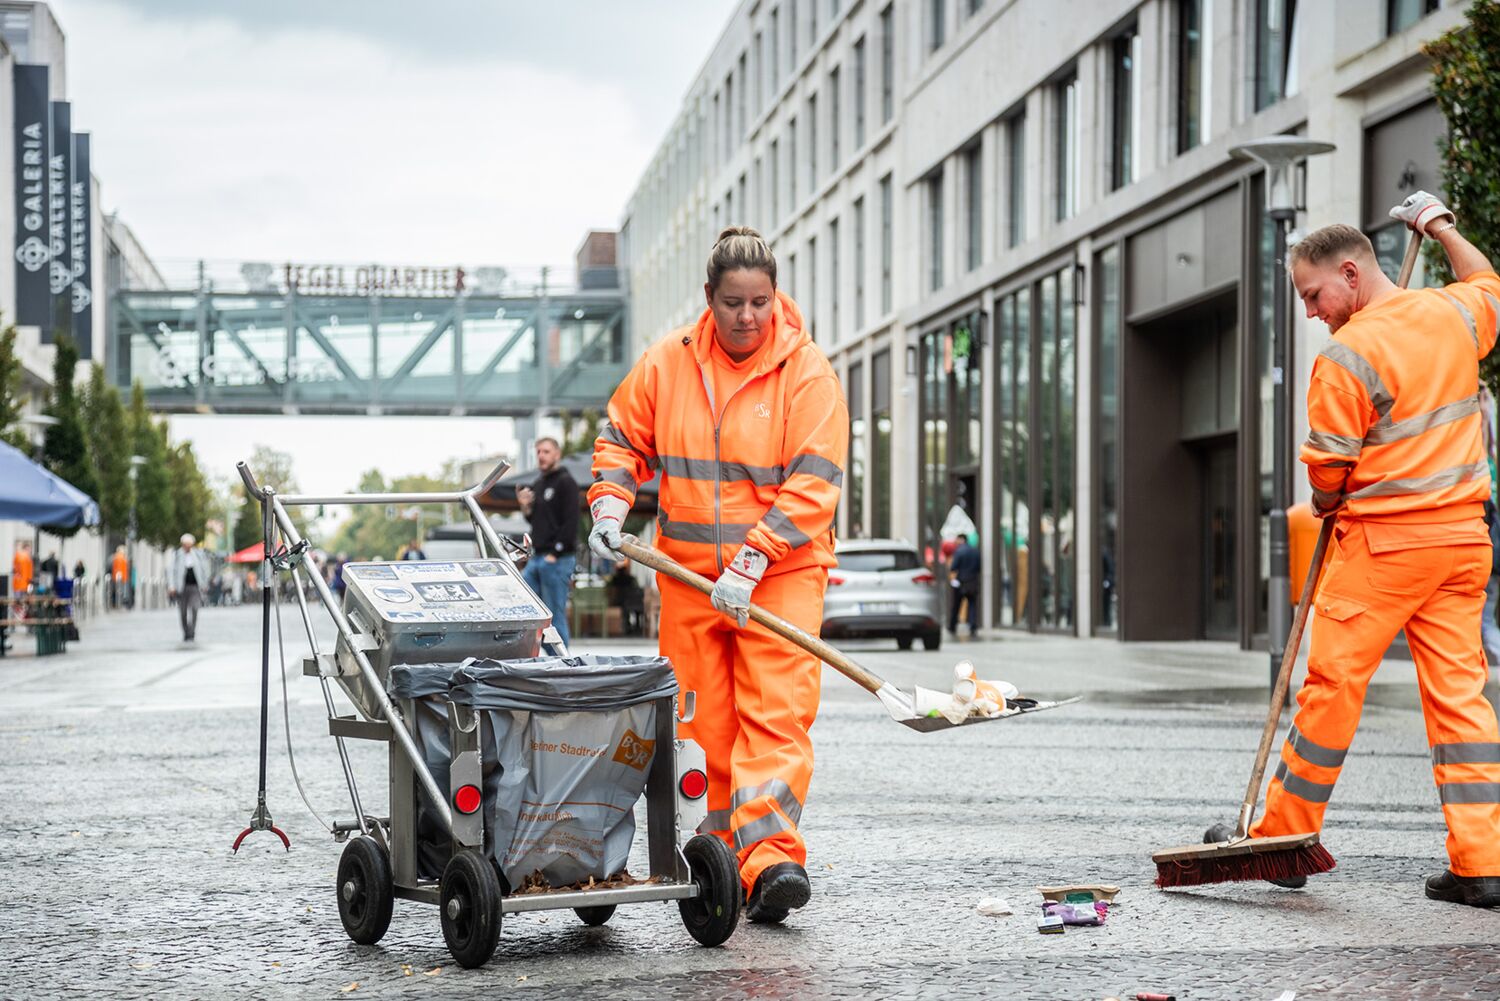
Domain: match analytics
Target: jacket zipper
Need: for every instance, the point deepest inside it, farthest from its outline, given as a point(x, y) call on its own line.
point(719, 462)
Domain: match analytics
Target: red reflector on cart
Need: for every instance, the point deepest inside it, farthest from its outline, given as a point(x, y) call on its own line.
point(693, 784)
point(467, 799)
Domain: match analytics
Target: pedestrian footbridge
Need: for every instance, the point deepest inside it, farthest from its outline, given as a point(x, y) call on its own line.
point(335, 339)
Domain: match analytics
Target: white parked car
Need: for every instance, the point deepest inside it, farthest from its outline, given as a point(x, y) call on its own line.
point(881, 589)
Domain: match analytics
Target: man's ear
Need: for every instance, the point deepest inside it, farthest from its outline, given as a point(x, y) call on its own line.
point(1350, 271)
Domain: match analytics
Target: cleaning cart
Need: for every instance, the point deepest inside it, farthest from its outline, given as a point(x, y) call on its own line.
point(515, 770)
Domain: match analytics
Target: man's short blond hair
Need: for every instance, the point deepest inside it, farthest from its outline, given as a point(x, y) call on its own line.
point(1331, 244)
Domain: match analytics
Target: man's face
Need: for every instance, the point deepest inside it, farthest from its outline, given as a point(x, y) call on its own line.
point(1329, 291)
point(547, 455)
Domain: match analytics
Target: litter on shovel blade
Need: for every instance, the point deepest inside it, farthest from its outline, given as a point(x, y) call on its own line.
point(902, 708)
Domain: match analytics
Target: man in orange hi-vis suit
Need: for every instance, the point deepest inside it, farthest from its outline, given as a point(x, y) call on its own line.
point(1395, 452)
point(747, 423)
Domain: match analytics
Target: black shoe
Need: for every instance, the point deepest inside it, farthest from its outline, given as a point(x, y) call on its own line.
point(1476, 891)
point(778, 891)
point(1223, 832)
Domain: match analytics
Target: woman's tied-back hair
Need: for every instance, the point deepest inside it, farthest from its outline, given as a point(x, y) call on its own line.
point(1331, 244)
point(739, 247)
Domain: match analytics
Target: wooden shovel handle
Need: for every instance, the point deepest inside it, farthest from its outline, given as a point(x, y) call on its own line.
point(663, 564)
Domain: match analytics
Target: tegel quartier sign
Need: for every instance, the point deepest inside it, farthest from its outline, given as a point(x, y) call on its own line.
point(373, 279)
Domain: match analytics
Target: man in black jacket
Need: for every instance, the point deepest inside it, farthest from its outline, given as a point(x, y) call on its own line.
point(551, 505)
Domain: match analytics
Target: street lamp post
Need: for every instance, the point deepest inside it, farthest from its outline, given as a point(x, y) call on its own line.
point(136, 461)
point(1281, 156)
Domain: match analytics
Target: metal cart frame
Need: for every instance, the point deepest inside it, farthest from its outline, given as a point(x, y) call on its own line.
point(694, 873)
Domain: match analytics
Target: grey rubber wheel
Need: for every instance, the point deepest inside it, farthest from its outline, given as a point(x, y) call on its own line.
point(595, 916)
point(932, 641)
point(712, 916)
point(904, 642)
point(469, 906)
point(365, 891)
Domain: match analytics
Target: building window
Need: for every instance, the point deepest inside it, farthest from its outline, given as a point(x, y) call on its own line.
point(973, 6)
point(973, 207)
point(812, 24)
point(1194, 74)
point(859, 93)
point(886, 247)
point(855, 494)
point(934, 193)
point(936, 24)
point(811, 314)
point(775, 51)
point(744, 122)
point(1125, 121)
point(760, 73)
point(1275, 51)
point(791, 32)
point(713, 147)
point(742, 202)
point(758, 186)
point(834, 292)
point(775, 159)
point(1065, 147)
point(887, 65)
point(1015, 180)
point(950, 402)
point(728, 116)
point(880, 445)
point(791, 274)
point(791, 161)
point(1402, 14)
point(859, 264)
point(1107, 458)
point(835, 120)
point(729, 219)
point(812, 144)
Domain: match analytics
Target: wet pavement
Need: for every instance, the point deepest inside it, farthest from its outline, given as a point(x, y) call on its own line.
point(129, 765)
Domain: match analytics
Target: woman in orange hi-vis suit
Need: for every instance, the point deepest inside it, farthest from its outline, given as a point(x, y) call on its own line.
point(1395, 452)
point(746, 422)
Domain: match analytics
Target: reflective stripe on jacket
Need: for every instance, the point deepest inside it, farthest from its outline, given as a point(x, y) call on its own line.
point(1393, 406)
point(769, 474)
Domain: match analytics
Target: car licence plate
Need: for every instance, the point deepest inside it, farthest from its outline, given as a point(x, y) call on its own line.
point(879, 607)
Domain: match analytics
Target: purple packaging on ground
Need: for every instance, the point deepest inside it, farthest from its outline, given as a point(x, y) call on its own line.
point(1094, 913)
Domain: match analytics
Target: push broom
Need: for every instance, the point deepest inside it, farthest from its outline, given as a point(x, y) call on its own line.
point(1289, 855)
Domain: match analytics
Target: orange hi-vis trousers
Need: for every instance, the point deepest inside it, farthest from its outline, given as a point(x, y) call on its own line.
point(1365, 598)
point(757, 697)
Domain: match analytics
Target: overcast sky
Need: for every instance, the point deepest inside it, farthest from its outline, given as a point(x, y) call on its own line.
point(436, 132)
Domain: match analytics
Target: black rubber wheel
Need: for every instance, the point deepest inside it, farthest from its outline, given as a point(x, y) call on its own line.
point(469, 904)
point(365, 890)
point(595, 916)
point(712, 916)
point(932, 641)
point(904, 642)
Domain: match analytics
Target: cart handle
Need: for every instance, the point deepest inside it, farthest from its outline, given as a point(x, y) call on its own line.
point(248, 478)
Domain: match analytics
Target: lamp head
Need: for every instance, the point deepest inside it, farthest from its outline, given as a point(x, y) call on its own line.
point(1280, 155)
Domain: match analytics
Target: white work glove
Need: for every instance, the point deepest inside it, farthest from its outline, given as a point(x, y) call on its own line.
point(732, 592)
point(1421, 210)
point(609, 514)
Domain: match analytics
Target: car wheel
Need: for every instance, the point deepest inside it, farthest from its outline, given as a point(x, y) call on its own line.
point(932, 640)
point(904, 642)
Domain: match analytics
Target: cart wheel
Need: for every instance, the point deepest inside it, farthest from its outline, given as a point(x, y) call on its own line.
point(365, 890)
point(595, 916)
point(469, 904)
point(711, 916)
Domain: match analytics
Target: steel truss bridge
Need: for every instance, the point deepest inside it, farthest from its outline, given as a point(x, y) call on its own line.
point(281, 351)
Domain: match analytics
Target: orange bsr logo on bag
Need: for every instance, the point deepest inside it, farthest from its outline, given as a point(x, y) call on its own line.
point(634, 751)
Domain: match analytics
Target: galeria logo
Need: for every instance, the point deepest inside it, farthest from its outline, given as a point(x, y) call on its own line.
point(634, 751)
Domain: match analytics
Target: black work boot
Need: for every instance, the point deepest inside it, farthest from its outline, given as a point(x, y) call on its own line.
point(1476, 891)
point(778, 891)
point(1223, 832)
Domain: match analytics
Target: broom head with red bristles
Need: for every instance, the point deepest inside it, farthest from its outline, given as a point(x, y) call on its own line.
point(1281, 857)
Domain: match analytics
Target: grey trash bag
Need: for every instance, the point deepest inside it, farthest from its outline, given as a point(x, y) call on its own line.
point(567, 745)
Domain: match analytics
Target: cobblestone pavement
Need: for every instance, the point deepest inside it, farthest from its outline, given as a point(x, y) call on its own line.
point(128, 766)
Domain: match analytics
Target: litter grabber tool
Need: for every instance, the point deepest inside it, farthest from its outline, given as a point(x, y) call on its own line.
point(1242, 857)
point(901, 705)
point(261, 820)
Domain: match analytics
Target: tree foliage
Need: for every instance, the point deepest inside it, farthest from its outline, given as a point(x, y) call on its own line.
point(153, 478)
point(380, 530)
point(271, 468)
point(108, 441)
point(191, 498)
point(65, 449)
point(10, 391)
point(1466, 83)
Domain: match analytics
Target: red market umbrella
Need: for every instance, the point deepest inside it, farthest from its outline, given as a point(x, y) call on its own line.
point(250, 554)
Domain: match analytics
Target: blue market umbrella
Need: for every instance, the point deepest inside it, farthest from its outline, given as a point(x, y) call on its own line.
point(31, 494)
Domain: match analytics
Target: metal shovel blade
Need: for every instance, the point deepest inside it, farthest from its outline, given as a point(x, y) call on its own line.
point(902, 708)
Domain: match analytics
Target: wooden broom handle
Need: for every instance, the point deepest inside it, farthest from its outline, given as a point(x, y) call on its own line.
point(664, 564)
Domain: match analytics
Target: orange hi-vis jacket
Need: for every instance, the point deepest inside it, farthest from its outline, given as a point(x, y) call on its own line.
point(1394, 413)
point(767, 472)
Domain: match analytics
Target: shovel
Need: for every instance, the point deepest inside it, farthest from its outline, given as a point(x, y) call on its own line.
point(898, 703)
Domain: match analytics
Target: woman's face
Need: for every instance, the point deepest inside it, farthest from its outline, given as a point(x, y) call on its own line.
point(742, 310)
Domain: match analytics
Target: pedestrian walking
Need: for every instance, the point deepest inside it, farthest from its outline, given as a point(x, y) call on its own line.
point(746, 421)
point(963, 571)
point(119, 570)
point(1396, 453)
point(187, 574)
point(551, 505)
